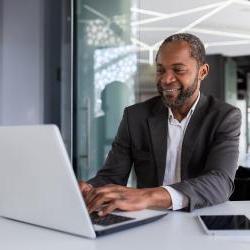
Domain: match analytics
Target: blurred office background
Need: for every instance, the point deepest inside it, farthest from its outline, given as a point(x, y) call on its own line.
point(78, 63)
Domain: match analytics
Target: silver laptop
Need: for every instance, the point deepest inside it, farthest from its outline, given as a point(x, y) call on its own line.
point(38, 185)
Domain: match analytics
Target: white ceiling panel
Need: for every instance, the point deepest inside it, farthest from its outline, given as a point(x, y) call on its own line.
point(169, 6)
point(223, 26)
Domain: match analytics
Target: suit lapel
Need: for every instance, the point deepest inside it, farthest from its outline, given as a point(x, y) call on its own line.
point(158, 125)
point(192, 133)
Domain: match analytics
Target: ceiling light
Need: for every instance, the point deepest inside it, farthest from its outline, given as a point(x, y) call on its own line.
point(206, 16)
point(163, 16)
point(148, 12)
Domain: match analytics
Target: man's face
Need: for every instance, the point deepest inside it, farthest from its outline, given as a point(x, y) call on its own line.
point(177, 74)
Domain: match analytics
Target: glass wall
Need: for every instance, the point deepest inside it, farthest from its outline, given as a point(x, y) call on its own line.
point(106, 64)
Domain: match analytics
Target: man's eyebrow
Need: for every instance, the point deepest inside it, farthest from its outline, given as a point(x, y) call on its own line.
point(175, 64)
point(179, 64)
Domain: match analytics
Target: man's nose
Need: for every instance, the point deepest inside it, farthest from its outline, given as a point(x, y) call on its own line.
point(168, 78)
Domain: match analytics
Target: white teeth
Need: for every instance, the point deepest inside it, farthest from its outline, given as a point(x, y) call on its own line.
point(170, 90)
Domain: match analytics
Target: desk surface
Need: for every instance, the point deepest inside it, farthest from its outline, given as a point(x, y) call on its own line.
point(178, 230)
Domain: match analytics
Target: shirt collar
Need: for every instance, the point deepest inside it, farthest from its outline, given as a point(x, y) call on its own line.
point(190, 112)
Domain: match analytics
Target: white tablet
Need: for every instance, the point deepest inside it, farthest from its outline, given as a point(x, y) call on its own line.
point(225, 224)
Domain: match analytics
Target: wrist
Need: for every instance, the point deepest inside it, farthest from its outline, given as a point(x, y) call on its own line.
point(158, 197)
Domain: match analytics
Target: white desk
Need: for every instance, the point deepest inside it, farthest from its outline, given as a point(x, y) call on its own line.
point(178, 230)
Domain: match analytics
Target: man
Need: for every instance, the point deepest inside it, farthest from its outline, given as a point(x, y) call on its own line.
point(183, 145)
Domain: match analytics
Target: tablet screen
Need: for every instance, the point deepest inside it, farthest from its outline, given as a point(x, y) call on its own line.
point(226, 222)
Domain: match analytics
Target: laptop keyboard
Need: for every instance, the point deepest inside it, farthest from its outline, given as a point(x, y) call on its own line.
point(107, 220)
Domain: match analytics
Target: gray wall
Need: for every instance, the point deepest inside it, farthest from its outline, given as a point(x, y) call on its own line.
point(35, 73)
point(22, 61)
point(1, 61)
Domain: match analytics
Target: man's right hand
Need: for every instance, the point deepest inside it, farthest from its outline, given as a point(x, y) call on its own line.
point(84, 188)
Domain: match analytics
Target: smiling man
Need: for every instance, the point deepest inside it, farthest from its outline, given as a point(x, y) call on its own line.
point(183, 145)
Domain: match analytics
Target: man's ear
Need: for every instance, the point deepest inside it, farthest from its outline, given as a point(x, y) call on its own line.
point(204, 69)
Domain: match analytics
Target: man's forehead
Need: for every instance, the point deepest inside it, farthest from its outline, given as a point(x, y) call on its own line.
point(177, 52)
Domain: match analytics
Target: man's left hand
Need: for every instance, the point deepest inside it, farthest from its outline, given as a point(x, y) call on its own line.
point(110, 197)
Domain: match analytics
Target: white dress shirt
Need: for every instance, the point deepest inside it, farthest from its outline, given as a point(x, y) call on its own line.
point(176, 132)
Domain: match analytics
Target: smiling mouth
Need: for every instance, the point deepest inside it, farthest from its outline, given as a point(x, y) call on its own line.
point(170, 90)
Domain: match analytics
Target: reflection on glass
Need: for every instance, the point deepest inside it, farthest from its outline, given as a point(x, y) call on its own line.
point(113, 64)
point(105, 33)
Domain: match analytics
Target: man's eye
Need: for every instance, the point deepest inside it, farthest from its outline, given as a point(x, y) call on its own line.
point(179, 70)
point(159, 71)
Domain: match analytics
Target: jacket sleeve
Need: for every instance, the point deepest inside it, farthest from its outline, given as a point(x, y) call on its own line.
point(118, 164)
point(215, 184)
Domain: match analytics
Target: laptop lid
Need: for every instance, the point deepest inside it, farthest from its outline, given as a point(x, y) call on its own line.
point(37, 182)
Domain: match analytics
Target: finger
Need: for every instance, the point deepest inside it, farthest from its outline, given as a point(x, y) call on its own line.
point(92, 194)
point(86, 191)
point(101, 190)
point(81, 185)
point(108, 209)
point(84, 186)
point(100, 200)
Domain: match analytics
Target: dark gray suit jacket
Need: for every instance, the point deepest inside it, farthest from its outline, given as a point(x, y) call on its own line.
point(209, 157)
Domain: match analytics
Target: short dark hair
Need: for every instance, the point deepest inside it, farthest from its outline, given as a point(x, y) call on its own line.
point(197, 49)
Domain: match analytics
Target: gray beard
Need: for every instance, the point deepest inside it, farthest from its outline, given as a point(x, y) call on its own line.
point(181, 98)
